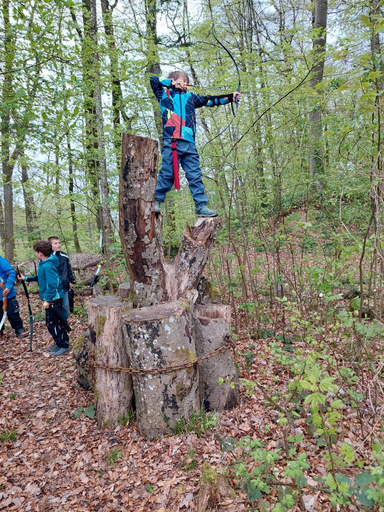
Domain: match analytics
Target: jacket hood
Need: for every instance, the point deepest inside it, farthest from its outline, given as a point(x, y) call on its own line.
point(51, 260)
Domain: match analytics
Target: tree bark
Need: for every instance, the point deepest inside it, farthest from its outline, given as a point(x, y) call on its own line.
point(156, 337)
point(6, 137)
point(153, 58)
point(159, 335)
point(104, 188)
point(137, 219)
point(316, 162)
point(185, 272)
point(117, 93)
point(212, 325)
point(30, 207)
point(113, 390)
point(71, 192)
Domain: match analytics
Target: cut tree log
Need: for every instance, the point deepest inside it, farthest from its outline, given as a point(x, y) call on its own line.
point(212, 331)
point(163, 328)
point(185, 272)
point(152, 280)
point(142, 253)
point(113, 390)
point(157, 337)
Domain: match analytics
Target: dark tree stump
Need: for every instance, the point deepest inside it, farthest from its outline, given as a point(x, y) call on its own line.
point(157, 337)
point(81, 353)
point(137, 219)
point(212, 329)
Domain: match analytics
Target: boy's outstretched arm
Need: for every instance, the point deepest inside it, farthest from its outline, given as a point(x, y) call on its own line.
point(157, 84)
point(215, 101)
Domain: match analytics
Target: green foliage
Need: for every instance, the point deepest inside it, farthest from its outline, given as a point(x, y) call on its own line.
point(149, 488)
point(129, 419)
point(114, 455)
point(198, 422)
point(89, 412)
point(7, 436)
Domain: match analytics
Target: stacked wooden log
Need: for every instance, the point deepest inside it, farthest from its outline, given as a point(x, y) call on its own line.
point(155, 344)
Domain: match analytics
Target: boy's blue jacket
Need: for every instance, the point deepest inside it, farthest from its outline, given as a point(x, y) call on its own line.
point(178, 108)
point(8, 275)
point(50, 284)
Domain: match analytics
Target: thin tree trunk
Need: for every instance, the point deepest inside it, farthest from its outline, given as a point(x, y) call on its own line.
point(117, 93)
point(2, 226)
point(71, 201)
point(30, 207)
point(316, 148)
point(104, 188)
point(153, 58)
point(7, 167)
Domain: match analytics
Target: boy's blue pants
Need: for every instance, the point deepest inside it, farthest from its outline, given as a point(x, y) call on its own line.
point(188, 158)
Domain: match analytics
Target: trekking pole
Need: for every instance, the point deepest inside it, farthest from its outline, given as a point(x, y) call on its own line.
point(5, 304)
point(29, 308)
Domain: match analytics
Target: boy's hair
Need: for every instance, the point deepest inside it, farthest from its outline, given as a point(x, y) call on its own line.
point(43, 247)
point(175, 75)
point(52, 238)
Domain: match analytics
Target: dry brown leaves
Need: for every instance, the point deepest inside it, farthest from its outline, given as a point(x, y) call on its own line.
point(59, 463)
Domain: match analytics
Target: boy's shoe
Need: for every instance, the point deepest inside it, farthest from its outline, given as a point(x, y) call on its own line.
point(53, 348)
point(21, 334)
point(202, 210)
point(60, 351)
point(157, 207)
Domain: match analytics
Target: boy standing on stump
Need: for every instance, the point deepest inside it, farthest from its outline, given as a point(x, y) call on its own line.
point(51, 293)
point(179, 129)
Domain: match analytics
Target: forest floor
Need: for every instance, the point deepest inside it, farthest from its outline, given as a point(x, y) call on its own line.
point(55, 461)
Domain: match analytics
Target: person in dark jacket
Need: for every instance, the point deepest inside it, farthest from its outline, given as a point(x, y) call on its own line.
point(65, 270)
point(7, 289)
point(179, 124)
point(51, 293)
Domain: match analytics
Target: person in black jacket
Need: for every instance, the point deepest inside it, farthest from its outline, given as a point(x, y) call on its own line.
point(65, 271)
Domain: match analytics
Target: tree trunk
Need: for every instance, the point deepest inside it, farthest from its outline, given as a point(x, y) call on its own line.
point(104, 188)
point(30, 207)
point(113, 390)
point(71, 192)
point(316, 147)
point(117, 93)
point(137, 219)
point(153, 59)
point(6, 136)
point(156, 337)
point(212, 328)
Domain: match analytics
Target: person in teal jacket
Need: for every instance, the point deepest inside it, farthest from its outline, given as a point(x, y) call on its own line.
point(7, 289)
point(51, 293)
point(178, 115)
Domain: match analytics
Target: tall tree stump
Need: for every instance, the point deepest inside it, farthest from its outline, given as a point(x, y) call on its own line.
point(113, 389)
point(140, 246)
point(158, 337)
point(212, 332)
point(164, 329)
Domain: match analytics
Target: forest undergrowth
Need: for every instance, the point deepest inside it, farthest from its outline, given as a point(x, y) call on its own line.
point(306, 435)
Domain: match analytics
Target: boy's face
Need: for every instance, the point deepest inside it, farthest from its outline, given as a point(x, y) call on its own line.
point(39, 255)
point(56, 245)
point(181, 83)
